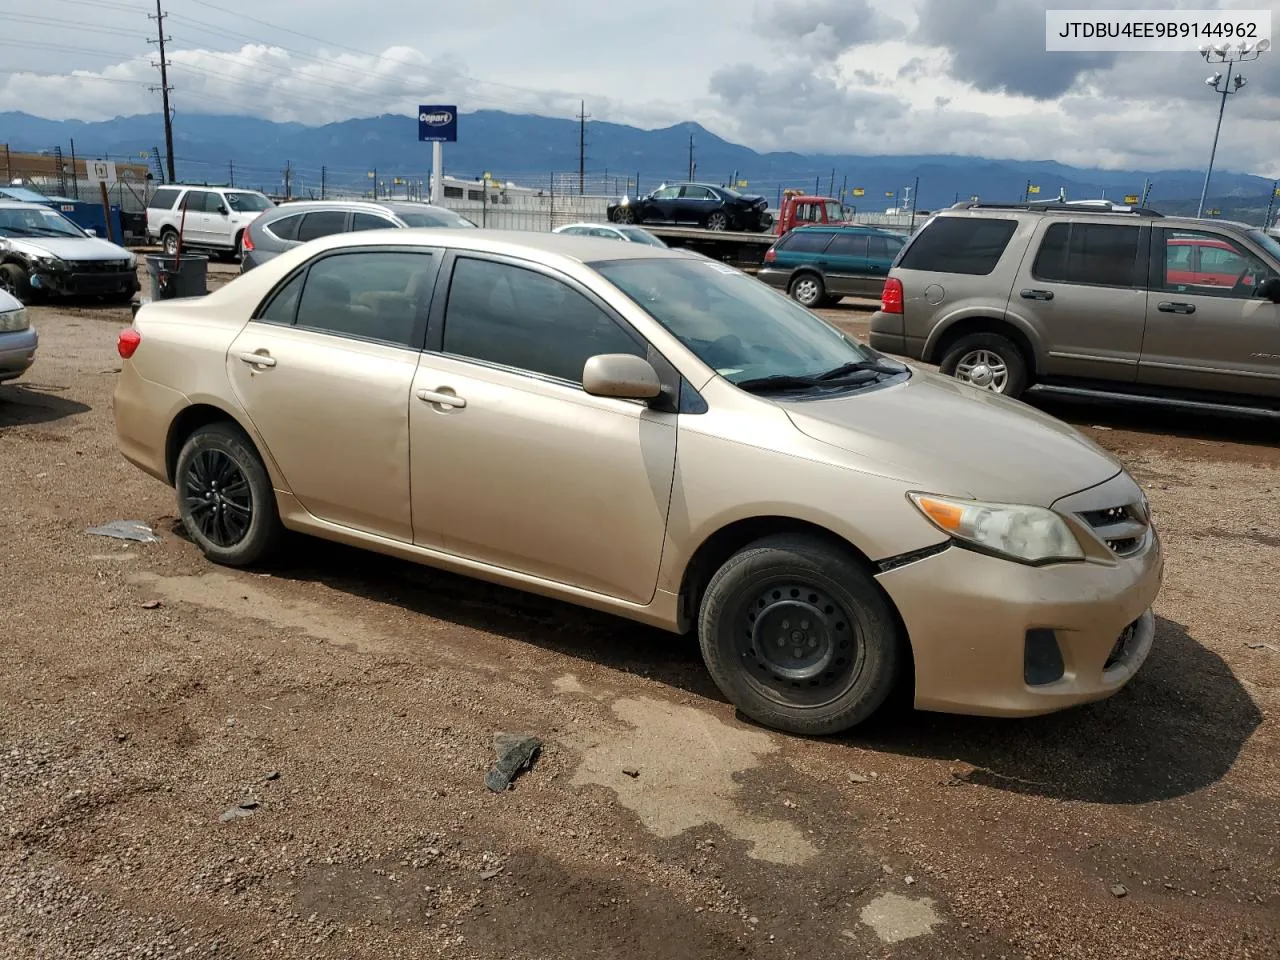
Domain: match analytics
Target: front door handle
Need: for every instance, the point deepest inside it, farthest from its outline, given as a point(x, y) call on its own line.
point(258, 359)
point(1169, 306)
point(1037, 294)
point(442, 398)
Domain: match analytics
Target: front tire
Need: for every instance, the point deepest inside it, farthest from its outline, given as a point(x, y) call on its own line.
point(16, 282)
point(798, 636)
point(988, 361)
point(225, 497)
point(169, 243)
point(624, 215)
point(718, 220)
point(808, 290)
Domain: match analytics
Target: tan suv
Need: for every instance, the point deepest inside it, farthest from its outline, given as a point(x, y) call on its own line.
point(1091, 299)
point(649, 432)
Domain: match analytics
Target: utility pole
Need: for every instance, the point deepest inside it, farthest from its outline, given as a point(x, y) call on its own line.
point(691, 156)
point(164, 87)
point(231, 171)
point(831, 189)
point(582, 146)
point(324, 181)
point(75, 172)
point(288, 180)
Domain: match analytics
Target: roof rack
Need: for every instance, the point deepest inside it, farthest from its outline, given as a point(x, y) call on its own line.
point(1062, 206)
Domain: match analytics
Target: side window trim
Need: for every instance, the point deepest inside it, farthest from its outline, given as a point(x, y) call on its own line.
point(676, 391)
point(278, 290)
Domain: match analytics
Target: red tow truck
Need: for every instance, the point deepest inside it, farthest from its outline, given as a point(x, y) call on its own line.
point(746, 250)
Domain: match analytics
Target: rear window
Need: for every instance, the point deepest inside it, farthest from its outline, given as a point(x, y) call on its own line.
point(1097, 254)
point(804, 241)
point(163, 199)
point(286, 228)
point(970, 245)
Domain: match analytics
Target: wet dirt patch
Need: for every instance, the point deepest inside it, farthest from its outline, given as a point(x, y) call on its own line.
point(676, 768)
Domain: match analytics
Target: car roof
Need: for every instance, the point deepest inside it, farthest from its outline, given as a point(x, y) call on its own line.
point(509, 242)
point(842, 228)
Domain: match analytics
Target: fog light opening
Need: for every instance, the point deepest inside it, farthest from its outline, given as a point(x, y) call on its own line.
point(1042, 658)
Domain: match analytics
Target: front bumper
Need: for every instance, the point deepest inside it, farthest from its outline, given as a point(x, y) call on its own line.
point(17, 352)
point(81, 282)
point(968, 617)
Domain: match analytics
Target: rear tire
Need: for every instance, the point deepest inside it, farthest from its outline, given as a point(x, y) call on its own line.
point(807, 289)
point(798, 636)
point(225, 497)
point(718, 220)
point(989, 361)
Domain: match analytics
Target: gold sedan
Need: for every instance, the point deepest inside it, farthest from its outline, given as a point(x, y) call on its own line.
point(650, 433)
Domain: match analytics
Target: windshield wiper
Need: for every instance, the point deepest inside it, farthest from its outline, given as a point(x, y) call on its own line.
point(848, 374)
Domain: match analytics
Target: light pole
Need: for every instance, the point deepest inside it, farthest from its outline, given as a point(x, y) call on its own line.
point(1225, 53)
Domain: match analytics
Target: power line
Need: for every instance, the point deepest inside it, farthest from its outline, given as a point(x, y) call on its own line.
point(164, 90)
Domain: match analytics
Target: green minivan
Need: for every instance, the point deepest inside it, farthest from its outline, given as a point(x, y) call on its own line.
point(818, 265)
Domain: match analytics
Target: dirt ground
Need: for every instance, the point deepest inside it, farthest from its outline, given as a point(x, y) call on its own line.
point(149, 700)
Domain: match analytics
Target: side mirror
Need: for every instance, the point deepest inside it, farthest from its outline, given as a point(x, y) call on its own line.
point(621, 375)
point(222, 209)
point(1269, 289)
point(91, 231)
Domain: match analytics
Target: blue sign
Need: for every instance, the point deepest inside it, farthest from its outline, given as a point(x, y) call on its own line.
point(438, 123)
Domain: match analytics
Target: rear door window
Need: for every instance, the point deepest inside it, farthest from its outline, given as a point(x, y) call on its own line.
point(1094, 254)
point(286, 228)
point(370, 221)
point(968, 245)
point(322, 223)
point(805, 241)
point(848, 245)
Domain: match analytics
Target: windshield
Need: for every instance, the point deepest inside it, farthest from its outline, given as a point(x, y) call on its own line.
point(434, 218)
point(33, 222)
point(734, 323)
point(248, 202)
point(636, 235)
point(1266, 242)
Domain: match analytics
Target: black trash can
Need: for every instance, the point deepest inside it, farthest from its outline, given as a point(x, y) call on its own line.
point(185, 276)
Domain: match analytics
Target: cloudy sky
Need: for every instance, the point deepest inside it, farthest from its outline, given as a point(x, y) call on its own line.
point(848, 76)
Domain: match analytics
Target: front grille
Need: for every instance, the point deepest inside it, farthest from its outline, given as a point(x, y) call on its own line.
point(98, 266)
point(1123, 528)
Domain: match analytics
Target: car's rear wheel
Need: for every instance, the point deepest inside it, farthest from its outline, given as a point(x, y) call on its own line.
point(169, 242)
point(718, 220)
point(16, 282)
point(989, 361)
point(225, 496)
point(798, 636)
point(808, 289)
point(624, 215)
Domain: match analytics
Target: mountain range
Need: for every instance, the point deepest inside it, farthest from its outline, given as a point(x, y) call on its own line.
point(529, 149)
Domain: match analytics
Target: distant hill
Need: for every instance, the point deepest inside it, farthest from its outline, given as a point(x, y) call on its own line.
point(523, 148)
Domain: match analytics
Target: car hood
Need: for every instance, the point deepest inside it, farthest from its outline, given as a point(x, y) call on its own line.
point(70, 248)
point(952, 439)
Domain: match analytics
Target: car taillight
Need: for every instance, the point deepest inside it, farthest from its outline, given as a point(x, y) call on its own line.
point(246, 241)
point(128, 342)
point(891, 298)
point(771, 255)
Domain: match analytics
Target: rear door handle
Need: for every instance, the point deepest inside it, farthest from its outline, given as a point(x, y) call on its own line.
point(444, 399)
point(1037, 294)
point(1169, 306)
point(258, 359)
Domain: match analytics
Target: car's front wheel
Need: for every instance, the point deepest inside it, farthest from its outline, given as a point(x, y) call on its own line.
point(169, 243)
point(798, 636)
point(989, 361)
point(624, 215)
point(16, 282)
point(225, 496)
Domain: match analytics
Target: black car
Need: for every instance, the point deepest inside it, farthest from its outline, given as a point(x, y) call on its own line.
point(695, 204)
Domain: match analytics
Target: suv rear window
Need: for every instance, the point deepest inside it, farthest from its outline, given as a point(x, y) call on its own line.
point(804, 241)
point(163, 199)
point(971, 245)
point(1097, 254)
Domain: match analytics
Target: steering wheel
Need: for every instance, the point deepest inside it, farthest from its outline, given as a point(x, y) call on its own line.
point(1240, 287)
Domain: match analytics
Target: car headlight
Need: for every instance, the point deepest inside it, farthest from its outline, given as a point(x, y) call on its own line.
point(49, 261)
point(14, 320)
point(1024, 533)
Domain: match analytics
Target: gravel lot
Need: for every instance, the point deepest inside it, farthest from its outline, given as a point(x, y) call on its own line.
point(146, 694)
